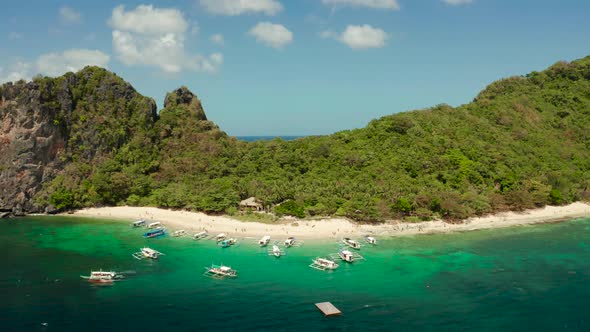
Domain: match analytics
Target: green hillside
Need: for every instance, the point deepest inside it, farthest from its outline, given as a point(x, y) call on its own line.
point(523, 142)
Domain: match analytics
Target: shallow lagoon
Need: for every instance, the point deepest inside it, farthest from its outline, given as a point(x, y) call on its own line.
point(522, 278)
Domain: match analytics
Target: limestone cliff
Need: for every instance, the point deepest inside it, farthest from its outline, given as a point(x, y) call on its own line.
point(49, 122)
point(183, 97)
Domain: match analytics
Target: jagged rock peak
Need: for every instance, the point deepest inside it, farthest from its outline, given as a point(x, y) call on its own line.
point(184, 97)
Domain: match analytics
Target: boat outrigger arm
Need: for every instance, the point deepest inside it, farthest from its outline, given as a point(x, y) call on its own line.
point(143, 254)
point(220, 272)
point(355, 255)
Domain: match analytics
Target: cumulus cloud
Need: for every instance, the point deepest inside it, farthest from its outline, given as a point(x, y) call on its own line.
point(375, 4)
point(55, 64)
point(359, 37)
point(19, 71)
point(239, 7)
point(69, 15)
point(208, 64)
point(146, 19)
point(457, 2)
point(156, 37)
point(217, 39)
point(270, 34)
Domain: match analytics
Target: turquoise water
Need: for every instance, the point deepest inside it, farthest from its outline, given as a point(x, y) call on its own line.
point(533, 278)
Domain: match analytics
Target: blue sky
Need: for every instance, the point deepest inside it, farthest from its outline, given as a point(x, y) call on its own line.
point(297, 67)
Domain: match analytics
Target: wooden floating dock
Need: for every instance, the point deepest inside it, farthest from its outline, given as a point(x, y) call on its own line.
point(328, 309)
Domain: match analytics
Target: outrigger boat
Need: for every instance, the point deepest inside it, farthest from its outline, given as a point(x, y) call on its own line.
point(139, 223)
point(220, 237)
point(292, 242)
point(275, 251)
point(181, 232)
point(264, 241)
point(200, 235)
point(289, 242)
point(102, 276)
point(371, 240)
point(156, 224)
point(155, 233)
point(346, 255)
point(228, 242)
point(351, 243)
point(323, 264)
point(220, 272)
point(147, 253)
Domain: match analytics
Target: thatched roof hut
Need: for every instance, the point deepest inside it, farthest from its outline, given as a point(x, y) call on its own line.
point(251, 203)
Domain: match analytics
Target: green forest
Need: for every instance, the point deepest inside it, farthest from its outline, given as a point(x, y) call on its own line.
point(523, 142)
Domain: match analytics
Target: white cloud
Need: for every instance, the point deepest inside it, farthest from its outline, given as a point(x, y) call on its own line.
point(156, 37)
point(146, 19)
point(239, 7)
point(273, 35)
point(359, 37)
point(55, 64)
point(14, 35)
point(217, 39)
point(375, 4)
point(208, 64)
point(69, 15)
point(457, 2)
point(19, 71)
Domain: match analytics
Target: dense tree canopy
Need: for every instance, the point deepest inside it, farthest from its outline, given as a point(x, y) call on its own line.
point(523, 142)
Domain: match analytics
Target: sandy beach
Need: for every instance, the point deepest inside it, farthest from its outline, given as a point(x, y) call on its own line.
point(194, 222)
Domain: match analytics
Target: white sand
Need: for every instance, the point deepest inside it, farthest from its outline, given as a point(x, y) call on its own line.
point(194, 222)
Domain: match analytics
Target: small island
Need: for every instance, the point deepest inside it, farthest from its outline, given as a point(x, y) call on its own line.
point(88, 139)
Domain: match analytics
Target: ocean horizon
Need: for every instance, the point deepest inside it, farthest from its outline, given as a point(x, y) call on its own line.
point(514, 279)
point(255, 138)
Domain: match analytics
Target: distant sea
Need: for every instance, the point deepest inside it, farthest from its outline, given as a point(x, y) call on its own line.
point(534, 278)
point(266, 138)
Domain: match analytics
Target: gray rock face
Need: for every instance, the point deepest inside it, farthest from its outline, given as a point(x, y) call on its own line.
point(183, 97)
point(48, 122)
point(30, 144)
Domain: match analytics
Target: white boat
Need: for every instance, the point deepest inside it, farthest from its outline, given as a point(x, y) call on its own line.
point(220, 272)
point(371, 240)
point(264, 241)
point(200, 235)
point(323, 264)
point(220, 237)
point(139, 223)
point(227, 243)
point(289, 242)
point(351, 243)
point(178, 233)
point(102, 276)
point(147, 253)
point(276, 251)
point(346, 255)
point(155, 224)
